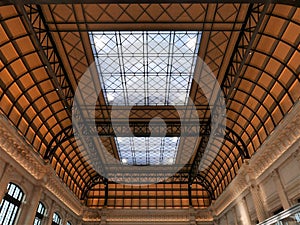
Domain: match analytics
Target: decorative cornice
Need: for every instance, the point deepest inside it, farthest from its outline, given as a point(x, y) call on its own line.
point(62, 192)
point(147, 215)
point(150, 215)
point(284, 137)
point(150, 218)
point(91, 215)
point(15, 146)
point(204, 215)
point(23, 153)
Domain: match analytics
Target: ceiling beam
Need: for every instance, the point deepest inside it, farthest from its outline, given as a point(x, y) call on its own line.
point(145, 129)
point(34, 22)
point(250, 30)
point(6, 2)
point(200, 151)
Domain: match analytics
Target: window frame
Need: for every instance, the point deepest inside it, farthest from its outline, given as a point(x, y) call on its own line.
point(11, 203)
point(59, 219)
point(39, 215)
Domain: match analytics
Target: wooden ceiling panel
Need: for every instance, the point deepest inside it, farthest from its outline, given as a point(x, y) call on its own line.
point(294, 90)
point(25, 45)
point(9, 51)
point(294, 61)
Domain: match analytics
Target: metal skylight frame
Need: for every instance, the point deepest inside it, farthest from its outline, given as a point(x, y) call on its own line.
point(146, 68)
point(147, 150)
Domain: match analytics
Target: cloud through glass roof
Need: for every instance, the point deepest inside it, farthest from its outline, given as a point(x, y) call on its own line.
point(146, 68)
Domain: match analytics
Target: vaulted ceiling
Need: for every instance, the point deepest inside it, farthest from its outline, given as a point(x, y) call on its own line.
point(47, 51)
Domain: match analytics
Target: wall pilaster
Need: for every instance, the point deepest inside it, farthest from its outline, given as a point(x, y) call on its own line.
point(7, 174)
point(280, 190)
point(30, 206)
point(244, 212)
point(48, 220)
point(258, 203)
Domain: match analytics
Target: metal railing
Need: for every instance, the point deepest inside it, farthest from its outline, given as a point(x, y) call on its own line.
point(290, 216)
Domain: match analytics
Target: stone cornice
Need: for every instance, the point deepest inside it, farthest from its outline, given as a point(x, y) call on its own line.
point(23, 153)
point(91, 215)
point(204, 215)
point(15, 146)
point(153, 218)
point(62, 192)
point(285, 136)
point(150, 215)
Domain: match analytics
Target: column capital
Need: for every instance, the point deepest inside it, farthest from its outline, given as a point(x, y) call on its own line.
point(247, 171)
point(9, 169)
point(296, 155)
point(212, 209)
point(216, 220)
point(275, 173)
point(41, 183)
point(5, 179)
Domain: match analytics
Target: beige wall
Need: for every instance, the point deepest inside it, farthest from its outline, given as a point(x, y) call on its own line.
point(30, 186)
point(288, 174)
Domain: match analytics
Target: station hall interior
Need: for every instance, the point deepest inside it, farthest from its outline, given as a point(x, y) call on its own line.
point(160, 112)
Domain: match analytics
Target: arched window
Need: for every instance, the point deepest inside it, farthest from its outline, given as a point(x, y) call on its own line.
point(56, 219)
point(69, 223)
point(10, 204)
point(40, 213)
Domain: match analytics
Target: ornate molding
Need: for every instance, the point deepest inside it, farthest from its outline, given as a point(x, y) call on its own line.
point(91, 215)
point(152, 218)
point(204, 215)
point(140, 215)
point(62, 192)
point(148, 215)
point(284, 137)
point(14, 145)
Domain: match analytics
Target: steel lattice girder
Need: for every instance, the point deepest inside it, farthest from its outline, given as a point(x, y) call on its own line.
point(7, 2)
point(142, 129)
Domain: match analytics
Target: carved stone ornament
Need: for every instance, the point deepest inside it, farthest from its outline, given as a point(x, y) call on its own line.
point(16, 146)
point(286, 134)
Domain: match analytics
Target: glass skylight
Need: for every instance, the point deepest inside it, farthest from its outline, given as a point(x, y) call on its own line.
point(147, 150)
point(145, 67)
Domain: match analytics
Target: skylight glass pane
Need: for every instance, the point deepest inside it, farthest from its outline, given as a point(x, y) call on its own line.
point(147, 150)
point(145, 67)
